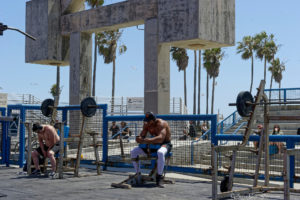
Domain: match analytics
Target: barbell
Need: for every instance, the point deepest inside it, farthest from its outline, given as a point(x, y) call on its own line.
point(88, 107)
point(245, 102)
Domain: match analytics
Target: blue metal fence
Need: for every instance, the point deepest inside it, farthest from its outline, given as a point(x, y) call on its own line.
point(180, 160)
point(23, 110)
point(283, 94)
point(3, 136)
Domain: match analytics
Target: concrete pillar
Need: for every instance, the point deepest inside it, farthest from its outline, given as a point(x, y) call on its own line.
point(80, 66)
point(157, 71)
point(80, 75)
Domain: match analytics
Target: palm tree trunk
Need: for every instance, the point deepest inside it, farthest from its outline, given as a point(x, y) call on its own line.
point(94, 71)
point(265, 69)
point(207, 92)
point(271, 83)
point(213, 95)
point(199, 82)
point(279, 91)
point(113, 86)
point(195, 81)
point(185, 95)
point(252, 72)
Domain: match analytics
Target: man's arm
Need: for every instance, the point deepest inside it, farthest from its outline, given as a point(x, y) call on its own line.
point(157, 139)
point(41, 142)
point(140, 138)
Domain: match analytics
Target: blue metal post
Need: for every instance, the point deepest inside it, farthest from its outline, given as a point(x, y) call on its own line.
point(65, 116)
point(233, 118)
point(4, 142)
point(8, 141)
point(284, 95)
point(214, 139)
point(291, 145)
point(2, 110)
point(105, 138)
point(222, 127)
point(22, 137)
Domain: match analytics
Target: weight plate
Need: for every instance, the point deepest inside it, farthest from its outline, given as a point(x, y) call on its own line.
point(46, 110)
point(88, 107)
point(243, 108)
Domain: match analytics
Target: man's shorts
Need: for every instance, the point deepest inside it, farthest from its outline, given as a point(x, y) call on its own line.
point(55, 149)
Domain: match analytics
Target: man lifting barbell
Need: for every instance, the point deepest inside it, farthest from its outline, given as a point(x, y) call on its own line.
point(160, 131)
point(49, 146)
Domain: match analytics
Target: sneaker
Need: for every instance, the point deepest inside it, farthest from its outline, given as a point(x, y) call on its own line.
point(52, 174)
point(159, 180)
point(36, 172)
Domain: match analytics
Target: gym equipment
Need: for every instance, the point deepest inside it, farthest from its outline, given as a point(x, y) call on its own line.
point(5, 27)
point(88, 107)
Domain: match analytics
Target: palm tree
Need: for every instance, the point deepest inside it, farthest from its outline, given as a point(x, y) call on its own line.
point(199, 82)
point(276, 69)
point(195, 81)
point(265, 48)
point(181, 58)
point(107, 45)
point(211, 60)
point(246, 48)
point(94, 4)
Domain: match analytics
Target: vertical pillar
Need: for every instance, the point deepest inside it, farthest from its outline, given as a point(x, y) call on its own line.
point(80, 74)
point(157, 71)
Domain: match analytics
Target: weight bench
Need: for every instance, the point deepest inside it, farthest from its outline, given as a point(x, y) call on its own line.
point(140, 179)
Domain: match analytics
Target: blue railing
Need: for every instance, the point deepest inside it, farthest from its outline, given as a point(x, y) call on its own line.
point(22, 110)
point(284, 94)
point(211, 118)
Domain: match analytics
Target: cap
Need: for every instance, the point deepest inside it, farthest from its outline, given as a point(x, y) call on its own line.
point(149, 116)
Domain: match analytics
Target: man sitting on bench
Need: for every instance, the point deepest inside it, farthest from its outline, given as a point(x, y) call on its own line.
point(49, 146)
point(160, 131)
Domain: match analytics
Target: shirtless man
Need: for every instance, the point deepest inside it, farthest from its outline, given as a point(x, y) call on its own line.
point(49, 145)
point(160, 131)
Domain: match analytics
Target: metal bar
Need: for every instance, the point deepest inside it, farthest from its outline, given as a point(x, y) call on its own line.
point(284, 117)
point(286, 175)
point(22, 136)
point(61, 150)
point(7, 119)
point(105, 138)
point(232, 148)
point(266, 140)
point(80, 144)
point(260, 152)
point(291, 145)
point(269, 103)
point(29, 149)
point(231, 172)
point(214, 172)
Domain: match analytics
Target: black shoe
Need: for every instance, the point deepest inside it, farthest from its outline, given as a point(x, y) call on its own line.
point(159, 180)
point(36, 172)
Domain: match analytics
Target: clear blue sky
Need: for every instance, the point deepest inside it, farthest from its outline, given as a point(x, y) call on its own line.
point(282, 18)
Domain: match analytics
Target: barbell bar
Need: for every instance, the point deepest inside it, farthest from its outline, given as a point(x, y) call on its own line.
point(88, 107)
point(245, 102)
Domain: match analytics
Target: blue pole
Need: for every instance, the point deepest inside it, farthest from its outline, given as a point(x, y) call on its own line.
point(8, 141)
point(291, 145)
point(3, 139)
point(214, 139)
point(192, 153)
point(222, 128)
point(284, 95)
point(105, 138)
point(65, 116)
point(22, 137)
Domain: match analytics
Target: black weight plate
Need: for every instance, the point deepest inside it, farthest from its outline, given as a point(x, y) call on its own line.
point(243, 108)
point(46, 110)
point(88, 107)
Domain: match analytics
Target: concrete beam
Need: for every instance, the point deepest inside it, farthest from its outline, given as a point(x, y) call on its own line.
point(71, 6)
point(156, 71)
point(197, 24)
point(43, 22)
point(114, 16)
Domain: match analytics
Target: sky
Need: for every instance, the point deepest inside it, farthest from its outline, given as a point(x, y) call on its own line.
point(281, 18)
